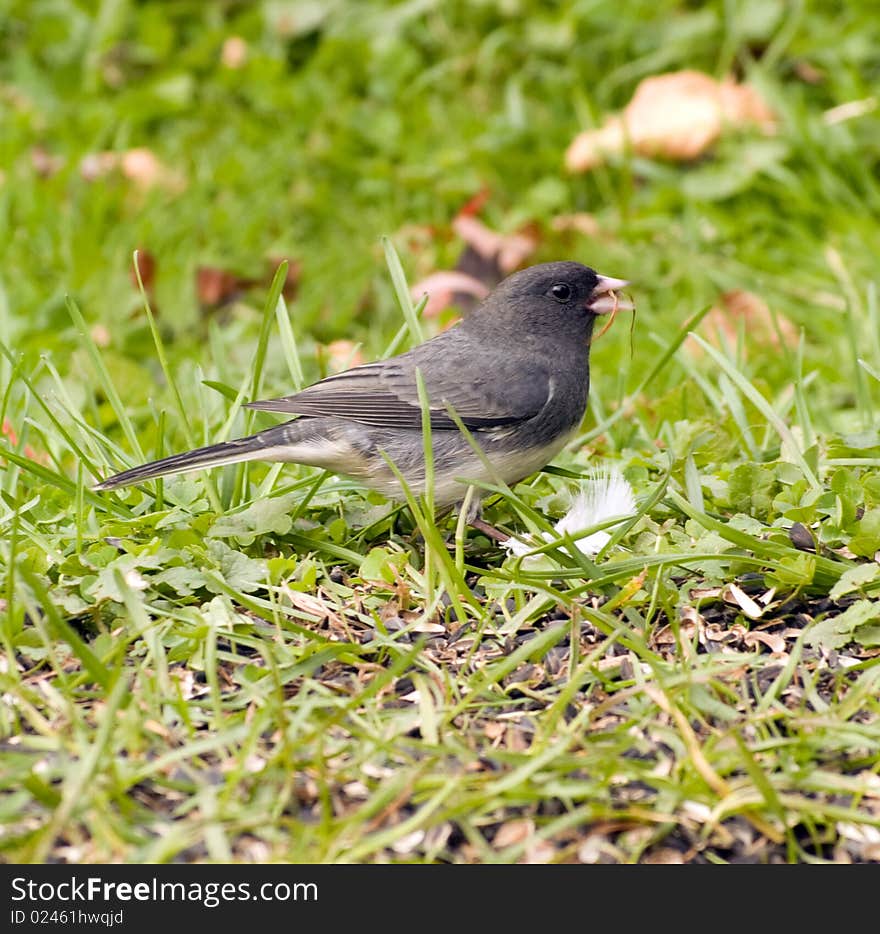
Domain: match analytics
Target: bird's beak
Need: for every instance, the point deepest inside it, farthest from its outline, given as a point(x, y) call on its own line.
point(604, 297)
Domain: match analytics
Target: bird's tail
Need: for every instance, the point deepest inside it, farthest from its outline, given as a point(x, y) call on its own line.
point(271, 444)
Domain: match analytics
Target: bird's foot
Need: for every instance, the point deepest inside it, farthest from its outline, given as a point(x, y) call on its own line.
point(486, 528)
point(473, 516)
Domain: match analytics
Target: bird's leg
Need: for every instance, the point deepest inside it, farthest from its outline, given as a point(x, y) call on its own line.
point(474, 518)
point(481, 525)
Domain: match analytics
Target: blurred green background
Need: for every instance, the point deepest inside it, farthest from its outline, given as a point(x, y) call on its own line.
point(307, 130)
point(175, 689)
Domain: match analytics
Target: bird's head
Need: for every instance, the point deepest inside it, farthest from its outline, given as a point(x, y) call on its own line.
point(562, 298)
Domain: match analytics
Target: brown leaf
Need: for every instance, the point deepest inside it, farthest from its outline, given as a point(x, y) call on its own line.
point(234, 52)
point(673, 116)
point(808, 72)
point(146, 265)
point(473, 206)
point(341, 355)
point(291, 280)
point(310, 604)
point(513, 831)
point(759, 324)
point(581, 223)
point(216, 286)
point(100, 334)
point(45, 164)
point(510, 251)
point(98, 164)
point(139, 165)
point(447, 288)
point(143, 167)
point(7, 430)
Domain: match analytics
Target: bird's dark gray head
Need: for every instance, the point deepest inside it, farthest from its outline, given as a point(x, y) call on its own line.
point(561, 299)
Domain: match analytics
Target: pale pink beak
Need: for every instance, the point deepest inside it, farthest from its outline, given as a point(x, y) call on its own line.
point(605, 299)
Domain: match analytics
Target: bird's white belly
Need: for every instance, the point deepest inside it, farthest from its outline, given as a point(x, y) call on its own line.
point(450, 486)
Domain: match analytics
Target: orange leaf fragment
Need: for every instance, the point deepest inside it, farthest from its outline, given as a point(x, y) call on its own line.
point(762, 327)
point(444, 287)
point(673, 116)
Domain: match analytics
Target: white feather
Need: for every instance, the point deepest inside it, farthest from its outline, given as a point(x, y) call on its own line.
point(605, 495)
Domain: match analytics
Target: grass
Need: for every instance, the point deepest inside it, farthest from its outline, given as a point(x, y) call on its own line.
point(268, 663)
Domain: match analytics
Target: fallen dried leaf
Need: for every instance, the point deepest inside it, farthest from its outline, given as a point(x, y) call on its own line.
point(475, 204)
point(514, 831)
point(139, 165)
point(146, 266)
point(808, 72)
point(7, 430)
point(758, 322)
point(314, 606)
point(581, 223)
point(510, 251)
point(446, 288)
point(291, 280)
point(674, 116)
point(342, 354)
point(234, 52)
point(143, 167)
point(215, 286)
point(97, 164)
point(45, 164)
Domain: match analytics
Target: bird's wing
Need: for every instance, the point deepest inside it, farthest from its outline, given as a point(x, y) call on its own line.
point(385, 393)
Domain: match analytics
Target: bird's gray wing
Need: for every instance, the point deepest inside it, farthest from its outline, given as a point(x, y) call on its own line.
point(484, 393)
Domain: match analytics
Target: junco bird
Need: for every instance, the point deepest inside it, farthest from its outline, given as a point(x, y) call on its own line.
point(515, 370)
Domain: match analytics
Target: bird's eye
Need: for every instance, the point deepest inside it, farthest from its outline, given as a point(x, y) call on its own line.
point(561, 292)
